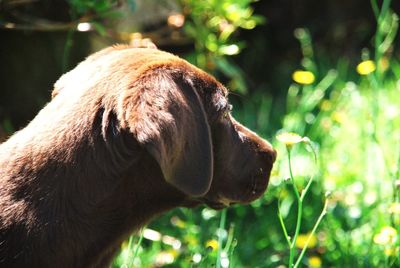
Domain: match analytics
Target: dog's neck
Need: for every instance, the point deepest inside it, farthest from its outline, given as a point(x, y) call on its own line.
point(79, 212)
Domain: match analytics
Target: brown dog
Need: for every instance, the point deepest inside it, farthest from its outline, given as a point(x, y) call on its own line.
point(130, 133)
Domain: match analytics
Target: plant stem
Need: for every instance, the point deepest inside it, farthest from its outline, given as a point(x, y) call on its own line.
point(299, 212)
point(136, 251)
point(221, 227)
point(229, 240)
point(297, 231)
point(291, 174)
point(283, 226)
point(303, 251)
point(300, 198)
point(379, 36)
point(303, 194)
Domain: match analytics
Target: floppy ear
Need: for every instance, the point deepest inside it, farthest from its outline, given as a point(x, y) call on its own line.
point(166, 115)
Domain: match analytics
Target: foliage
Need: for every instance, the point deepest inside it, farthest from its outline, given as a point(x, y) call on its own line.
point(212, 25)
point(355, 128)
point(290, 139)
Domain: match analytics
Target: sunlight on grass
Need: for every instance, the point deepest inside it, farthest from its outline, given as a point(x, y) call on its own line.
point(349, 116)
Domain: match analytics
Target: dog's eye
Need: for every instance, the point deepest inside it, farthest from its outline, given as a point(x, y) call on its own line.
point(228, 110)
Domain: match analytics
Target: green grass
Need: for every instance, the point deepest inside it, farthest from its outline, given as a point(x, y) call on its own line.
point(358, 144)
point(353, 122)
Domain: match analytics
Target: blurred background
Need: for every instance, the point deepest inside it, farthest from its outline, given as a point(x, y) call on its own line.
point(328, 70)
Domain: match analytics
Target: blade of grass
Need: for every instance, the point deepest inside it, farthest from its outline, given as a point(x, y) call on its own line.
point(136, 250)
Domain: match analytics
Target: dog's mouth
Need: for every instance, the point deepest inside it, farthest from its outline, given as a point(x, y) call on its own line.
point(217, 205)
point(221, 203)
point(254, 189)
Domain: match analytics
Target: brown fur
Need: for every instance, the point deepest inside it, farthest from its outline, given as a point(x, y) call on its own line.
point(130, 133)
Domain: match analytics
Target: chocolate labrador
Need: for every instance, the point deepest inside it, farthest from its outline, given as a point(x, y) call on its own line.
point(129, 133)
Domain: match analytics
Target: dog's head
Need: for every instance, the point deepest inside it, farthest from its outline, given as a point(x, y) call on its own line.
point(181, 116)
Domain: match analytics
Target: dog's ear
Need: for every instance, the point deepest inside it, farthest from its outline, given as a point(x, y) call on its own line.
point(167, 117)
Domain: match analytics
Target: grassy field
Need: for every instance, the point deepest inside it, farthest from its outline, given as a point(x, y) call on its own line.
point(344, 122)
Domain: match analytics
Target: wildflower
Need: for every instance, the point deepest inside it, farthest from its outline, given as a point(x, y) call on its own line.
point(366, 67)
point(338, 117)
point(302, 240)
point(393, 251)
point(289, 138)
point(387, 235)
point(212, 244)
point(314, 262)
point(191, 240)
point(326, 105)
point(394, 208)
point(303, 77)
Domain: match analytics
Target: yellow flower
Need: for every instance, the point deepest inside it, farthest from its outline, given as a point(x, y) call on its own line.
point(302, 240)
point(326, 105)
point(314, 262)
point(213, 244)
point(303, 77)
point(387, 235)
point(191, 240)
point(392, 251)
point(366, 67)
point(289, 138)
point(394, 208)
point(339, 117)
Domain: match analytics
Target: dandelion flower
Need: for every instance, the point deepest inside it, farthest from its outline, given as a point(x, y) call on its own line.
point(303, 77)
point(387, 235)
point(366, 67)
point(212, 244)
point(289, 138)
point(302, 240)
point(314, 262)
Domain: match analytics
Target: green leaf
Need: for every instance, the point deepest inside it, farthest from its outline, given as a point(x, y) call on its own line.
point(100, 28)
